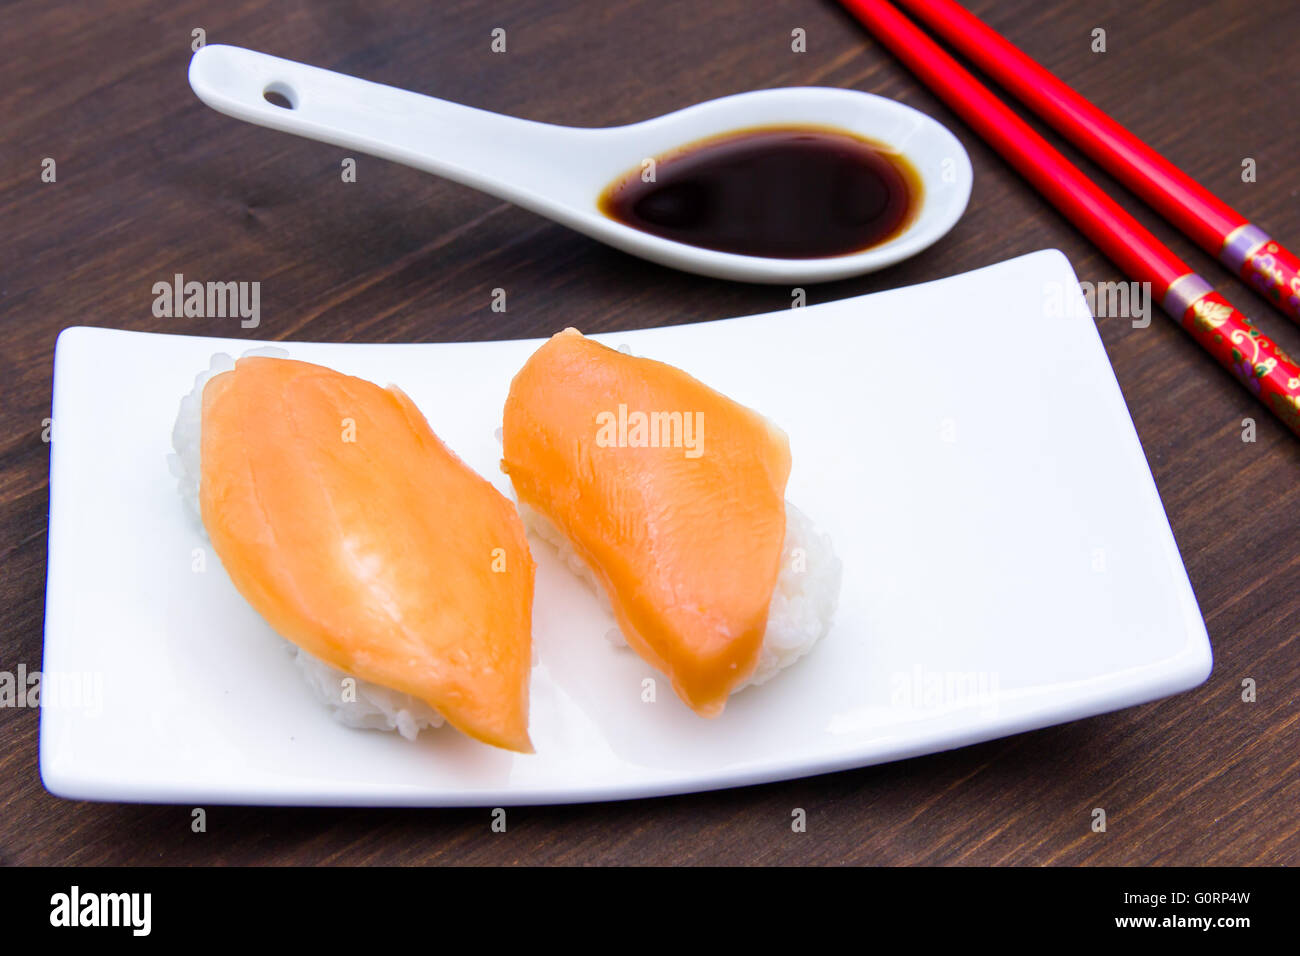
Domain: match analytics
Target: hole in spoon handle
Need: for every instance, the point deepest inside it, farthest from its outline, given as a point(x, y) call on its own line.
point(281, 95)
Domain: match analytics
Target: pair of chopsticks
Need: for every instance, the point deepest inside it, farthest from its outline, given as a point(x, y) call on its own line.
point(1227, 334)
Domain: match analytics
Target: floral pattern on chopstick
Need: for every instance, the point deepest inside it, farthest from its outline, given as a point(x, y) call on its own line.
point(1264, 368)
point(1275, 272)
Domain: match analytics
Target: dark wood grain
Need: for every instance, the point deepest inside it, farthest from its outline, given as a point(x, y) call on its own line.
point(151, 182)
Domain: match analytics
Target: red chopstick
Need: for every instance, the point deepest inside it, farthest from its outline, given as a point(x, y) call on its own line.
point(1210, 222)
point(1225, 333)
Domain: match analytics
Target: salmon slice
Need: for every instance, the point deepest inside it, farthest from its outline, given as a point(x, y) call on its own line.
point(683, 535)
point(359, 536)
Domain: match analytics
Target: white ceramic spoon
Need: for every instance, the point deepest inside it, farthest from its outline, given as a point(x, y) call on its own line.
point(560, 171)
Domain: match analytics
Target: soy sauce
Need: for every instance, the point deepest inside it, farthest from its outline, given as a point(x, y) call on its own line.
point(781, 192)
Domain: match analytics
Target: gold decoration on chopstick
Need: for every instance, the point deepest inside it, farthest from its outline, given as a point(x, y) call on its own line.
point(1211, 314)
point(1237, 337)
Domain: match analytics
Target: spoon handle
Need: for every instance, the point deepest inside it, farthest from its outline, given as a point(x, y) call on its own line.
point(508, 157)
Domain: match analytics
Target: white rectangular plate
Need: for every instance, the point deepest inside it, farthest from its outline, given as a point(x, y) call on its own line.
point(1007, 565)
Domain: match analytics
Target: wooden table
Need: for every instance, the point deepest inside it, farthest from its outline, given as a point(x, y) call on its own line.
point(151, 183)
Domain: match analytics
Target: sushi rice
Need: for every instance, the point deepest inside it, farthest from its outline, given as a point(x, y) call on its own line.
point(374, 706)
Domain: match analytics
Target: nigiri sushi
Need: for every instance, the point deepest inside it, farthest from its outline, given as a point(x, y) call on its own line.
point(362, 539)
point(671, 498)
